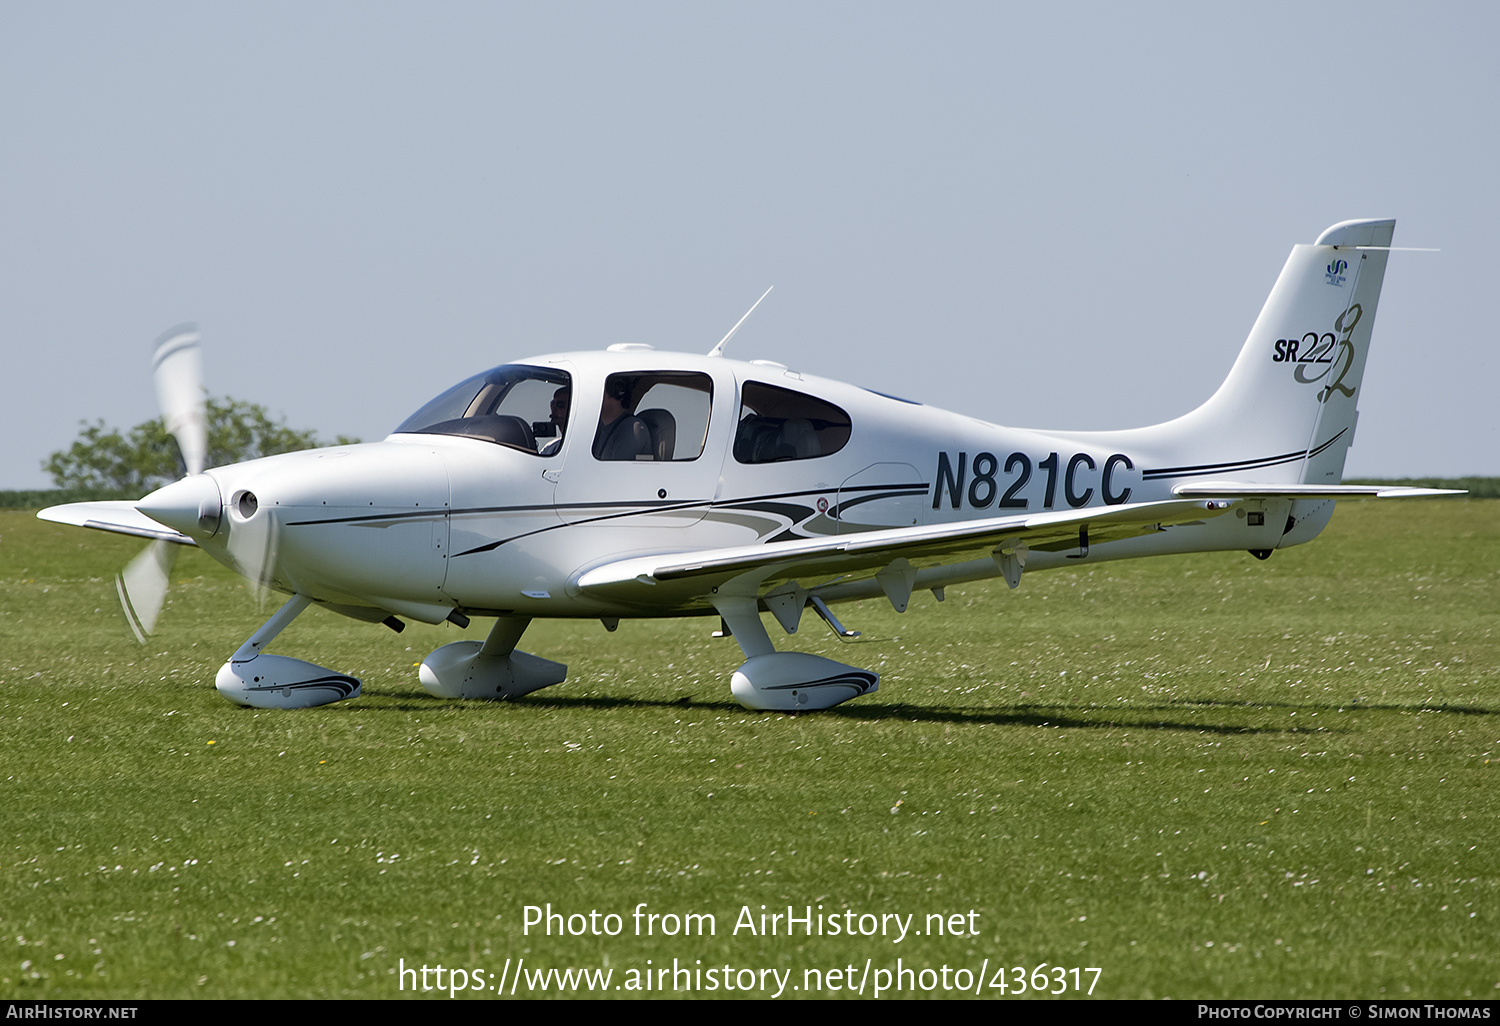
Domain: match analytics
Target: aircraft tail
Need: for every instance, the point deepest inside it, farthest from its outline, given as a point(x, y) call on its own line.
point(1287, 412)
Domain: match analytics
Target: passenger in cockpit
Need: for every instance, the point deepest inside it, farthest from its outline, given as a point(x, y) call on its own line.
point(621, 435)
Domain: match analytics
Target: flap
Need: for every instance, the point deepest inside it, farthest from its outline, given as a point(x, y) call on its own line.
point(757, 569)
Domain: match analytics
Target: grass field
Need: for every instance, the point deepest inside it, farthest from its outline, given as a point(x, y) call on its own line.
point(1205, 776)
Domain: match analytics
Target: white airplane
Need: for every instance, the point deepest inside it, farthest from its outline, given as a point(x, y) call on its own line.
point(637, 483)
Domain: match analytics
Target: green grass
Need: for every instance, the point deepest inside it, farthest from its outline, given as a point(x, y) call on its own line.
point(1207, 776)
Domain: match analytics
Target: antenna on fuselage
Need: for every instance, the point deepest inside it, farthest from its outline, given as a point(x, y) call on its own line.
point(718, 350)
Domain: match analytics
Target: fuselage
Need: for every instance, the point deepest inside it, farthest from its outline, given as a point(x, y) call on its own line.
point(448, 518)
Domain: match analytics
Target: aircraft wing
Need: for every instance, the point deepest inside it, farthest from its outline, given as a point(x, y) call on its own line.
point(891, 555)
point(1242, 490)
point(116, 517)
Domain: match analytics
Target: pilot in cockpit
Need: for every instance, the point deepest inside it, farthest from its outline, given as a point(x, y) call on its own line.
point(621, 435)
point(562, 401)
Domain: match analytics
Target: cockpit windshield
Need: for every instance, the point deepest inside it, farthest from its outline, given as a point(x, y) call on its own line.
point(521, 407)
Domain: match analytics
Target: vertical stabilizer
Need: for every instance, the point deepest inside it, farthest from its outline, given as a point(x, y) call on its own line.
point(1287, 411)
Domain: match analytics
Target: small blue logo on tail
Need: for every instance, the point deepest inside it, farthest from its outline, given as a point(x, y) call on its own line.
point(1336, 269)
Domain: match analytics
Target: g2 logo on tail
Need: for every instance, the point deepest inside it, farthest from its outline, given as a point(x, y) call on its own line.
point(1334, 350)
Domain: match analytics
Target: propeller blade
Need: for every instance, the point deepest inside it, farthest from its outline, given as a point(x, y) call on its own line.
point(252, 544)
point(142, 587)
point(177, 369)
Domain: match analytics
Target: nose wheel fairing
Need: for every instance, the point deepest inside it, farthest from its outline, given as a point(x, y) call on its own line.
point(280, 682)
point(262, 681)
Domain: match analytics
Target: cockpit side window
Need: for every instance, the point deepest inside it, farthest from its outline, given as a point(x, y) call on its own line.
point(779, 424)
point(519, 407)
point(654, 417)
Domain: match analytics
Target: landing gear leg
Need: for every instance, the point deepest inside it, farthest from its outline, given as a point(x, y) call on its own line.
point(494, 669)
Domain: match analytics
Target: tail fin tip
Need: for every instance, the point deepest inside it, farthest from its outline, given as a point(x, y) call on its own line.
point(1363, 232)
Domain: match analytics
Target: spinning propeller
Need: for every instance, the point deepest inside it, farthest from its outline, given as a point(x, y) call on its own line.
point(192, 505)
point(177, 371)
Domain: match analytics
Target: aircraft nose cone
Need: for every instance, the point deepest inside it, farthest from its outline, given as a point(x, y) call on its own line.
point(192, 506)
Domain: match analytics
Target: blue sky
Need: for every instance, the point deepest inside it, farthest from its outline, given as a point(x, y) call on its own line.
point(1042, 215)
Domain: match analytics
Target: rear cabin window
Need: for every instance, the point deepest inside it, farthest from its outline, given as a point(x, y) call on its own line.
point(779, 424)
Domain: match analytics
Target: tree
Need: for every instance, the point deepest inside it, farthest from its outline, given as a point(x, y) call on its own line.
point(146, 457)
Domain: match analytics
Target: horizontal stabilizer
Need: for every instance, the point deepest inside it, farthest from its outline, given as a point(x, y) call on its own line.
point(116, 517)
point(1241, 490)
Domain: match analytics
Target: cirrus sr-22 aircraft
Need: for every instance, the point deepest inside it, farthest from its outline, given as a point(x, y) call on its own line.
point(637, 483)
